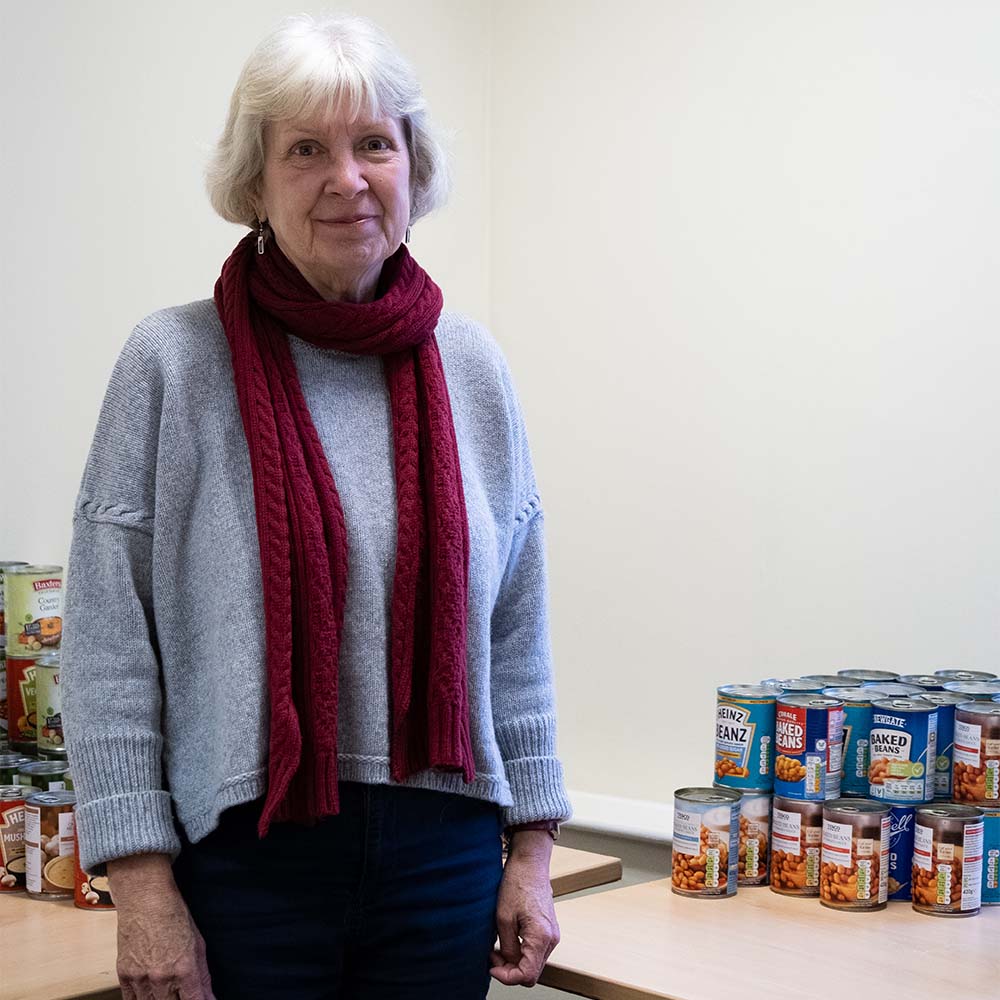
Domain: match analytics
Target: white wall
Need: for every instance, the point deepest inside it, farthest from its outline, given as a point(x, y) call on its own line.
point(745, 256)
point(742, 258)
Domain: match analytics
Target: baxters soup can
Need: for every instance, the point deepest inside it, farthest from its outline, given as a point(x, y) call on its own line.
point(946, 702)
point(901, 822)
point(976, 774)
point(857, 727)
point(34, 597)
point(705, 842)
point(991, 857)
point(948, 860)
point(809, 737)
point(4, 566)
point(903, 751)
point(744, 737)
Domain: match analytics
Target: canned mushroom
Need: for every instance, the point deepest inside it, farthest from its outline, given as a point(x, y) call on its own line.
point(948, 860)
point(976, 775)
point(744, 736)
point(49, 834)
point(12, 863)
point(903, 750)
point(854, 871)
point(991, 857)
point(857, 728)
point(809, 735)
point(706, 842)
point(900, 851)
point(946, 702)
point(796, 837)
point(864, 676)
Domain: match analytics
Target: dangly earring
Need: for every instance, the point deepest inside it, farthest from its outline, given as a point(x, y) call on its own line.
point(407, 240)
point(260, 236)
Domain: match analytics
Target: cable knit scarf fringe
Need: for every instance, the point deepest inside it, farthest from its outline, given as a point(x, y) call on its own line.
point(300, 523)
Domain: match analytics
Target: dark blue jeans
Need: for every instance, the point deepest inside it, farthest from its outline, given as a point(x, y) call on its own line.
point(395, 897)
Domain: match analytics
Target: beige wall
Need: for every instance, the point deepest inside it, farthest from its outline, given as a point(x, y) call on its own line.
point(742, 259)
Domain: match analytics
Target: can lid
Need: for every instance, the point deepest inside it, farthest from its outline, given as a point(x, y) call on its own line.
point(52, 799)
point(48, 660)
point(973, 687)
point(906, 704)
point(965, 675)
point(10, 792)
point(922, 680)
point(747, 691)
point(13, 759)
point(827, 680)
point(31, 570)
point(851, 694)
point(809, 701)
point(747, 793)
point(990, 708)
point(858, 807)
point(45, 767)
point(793, 684)
point(942, 697)
point(950, 810)
point(7, 564)
point(893, 689)
point(708, 795)
point(870, 675)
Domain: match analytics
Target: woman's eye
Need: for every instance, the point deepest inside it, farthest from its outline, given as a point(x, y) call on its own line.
point(307, 146)
point(376, 148)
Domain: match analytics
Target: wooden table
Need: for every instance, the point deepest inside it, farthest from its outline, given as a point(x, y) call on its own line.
point(53, 951)
point(643, 941)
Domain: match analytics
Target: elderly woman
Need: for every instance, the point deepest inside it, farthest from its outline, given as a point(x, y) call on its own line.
point(307, 666)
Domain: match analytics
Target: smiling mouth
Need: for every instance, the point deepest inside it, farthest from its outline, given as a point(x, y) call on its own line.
point(345, 222)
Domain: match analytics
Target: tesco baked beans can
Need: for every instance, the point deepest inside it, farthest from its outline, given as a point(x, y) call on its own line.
point(854, 868)
point(946, 702)
point(755, 839)
point(903, 745)
point(965, 675)
point(857, 727)
point(974, 690)
point(901, 822)
point(991, 857)
point(948, 860)
point(976, 773)
point(744, 737)
point(705, 842)
point(796, 841)
point(865, 676)
point(809, 738)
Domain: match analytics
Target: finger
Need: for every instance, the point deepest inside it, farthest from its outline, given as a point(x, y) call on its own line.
point(128, 991)
point(510, 943)
point(534, 950)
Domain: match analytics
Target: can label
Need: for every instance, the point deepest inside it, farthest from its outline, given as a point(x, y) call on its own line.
point(795, 852)
point(744, 736)
point(991, 858)
point(755, 839)
point(809, 744)
point(945, 752)
point(948, 877)
point(3, 695)
point(12, 862)
point(48, 701)
point(49, 835)
point(90, 892)
point(33, 612)
point(21, 703)
point(857, 728)
point(855, 863)
point(976, 772)
point(903, 748)
point(705, 848)
point(901, 820)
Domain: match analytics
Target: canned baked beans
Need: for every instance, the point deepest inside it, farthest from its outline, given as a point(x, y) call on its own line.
point(744, 736)
point(863, 676)
point(946, 701)
point(976, 775)
point(706, 842)
point(755, 839)
point(926, 682)
point(48, 840)
point(965, 675)
point(854, 871)
point(90, 892)
point(12, 863)
point(991, 857)
point(809, 736)
point(903, 751)
point(857, 727)
point(948, 860)
point(893, 689)
point(796, 839)
point(901, 821)
point(974, 690)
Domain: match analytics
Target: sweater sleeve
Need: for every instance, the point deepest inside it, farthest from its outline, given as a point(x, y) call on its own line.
point(110, 664)
point(522, 684)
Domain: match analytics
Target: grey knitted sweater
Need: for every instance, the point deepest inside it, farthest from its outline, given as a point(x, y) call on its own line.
point(165, 685)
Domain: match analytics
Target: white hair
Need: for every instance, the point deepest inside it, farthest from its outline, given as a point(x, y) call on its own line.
point(308, 65)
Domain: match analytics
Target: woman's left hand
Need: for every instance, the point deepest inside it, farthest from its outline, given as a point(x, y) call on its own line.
point(526, 914)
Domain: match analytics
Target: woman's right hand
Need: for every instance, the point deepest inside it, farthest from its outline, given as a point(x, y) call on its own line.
point(161, 954)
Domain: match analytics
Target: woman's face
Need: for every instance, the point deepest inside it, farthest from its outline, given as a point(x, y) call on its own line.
point(337, 196)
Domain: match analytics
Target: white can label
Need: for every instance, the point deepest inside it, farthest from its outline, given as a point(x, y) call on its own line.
point(967, 740)
point(883, 871)
point(923, 847)
point(972, 867)
point(687, 832)
point(837, 843)
point(786, 831)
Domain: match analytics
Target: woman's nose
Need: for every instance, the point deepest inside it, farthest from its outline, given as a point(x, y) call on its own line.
point(345, 177)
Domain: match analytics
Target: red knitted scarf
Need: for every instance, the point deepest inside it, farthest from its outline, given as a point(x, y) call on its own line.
point(300, 523)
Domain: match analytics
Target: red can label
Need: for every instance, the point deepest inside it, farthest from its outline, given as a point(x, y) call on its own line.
point(809, 743)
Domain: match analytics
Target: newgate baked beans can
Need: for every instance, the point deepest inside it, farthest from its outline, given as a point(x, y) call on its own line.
point(865, 676)
point(49, 834)
point(903, 746)
point(793, 685)
point(926, 682)
point(946, 702)
point(4, 566)
point(755, 839)
point(974, 690)
point(744, 737)
point(965, 675)
point(33, 596)
point(976, 774)
point(12, 863)
point(857, 725)
point(90, 892)
point(991, 857)
point(796, 839)
point(45, 775)
point(854, 870)
point(48, 702)
point(706, 842)
point(809, 736)
point(901, 821)
point(893, 689)
point(948, 860)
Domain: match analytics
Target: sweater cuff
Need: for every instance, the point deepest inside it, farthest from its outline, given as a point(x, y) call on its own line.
point(536, 784)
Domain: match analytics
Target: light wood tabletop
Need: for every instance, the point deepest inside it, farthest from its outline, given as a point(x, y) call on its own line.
point(644, 941)
point(55, 951)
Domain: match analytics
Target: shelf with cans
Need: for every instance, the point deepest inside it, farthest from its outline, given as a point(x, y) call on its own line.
point(857, 789)
point(37, 831)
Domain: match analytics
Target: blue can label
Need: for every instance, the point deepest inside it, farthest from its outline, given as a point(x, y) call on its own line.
point(901, 821)
point(857, 727)
point(945, 748)
point(744, 740)
point(903, 748)
point(809, 742)
point(991, 857)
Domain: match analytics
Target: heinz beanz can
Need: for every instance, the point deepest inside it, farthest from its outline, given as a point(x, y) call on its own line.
point(991, 857)
point(903, 751)
point(744, 737)
point(901, 819)
point(809, 735)
point(946, 702)
point(705, 842)
point(857, 725)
